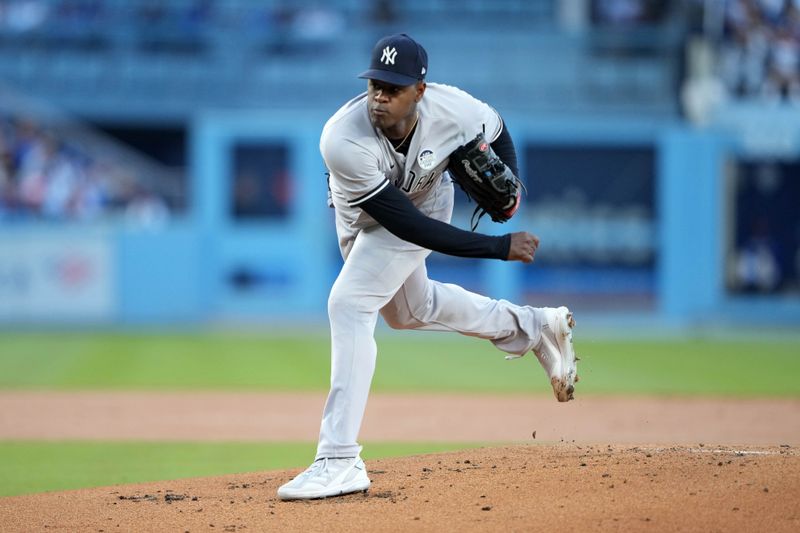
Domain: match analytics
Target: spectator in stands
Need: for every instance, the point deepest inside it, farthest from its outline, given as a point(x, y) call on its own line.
point(783, 63)
point(760, 52)
point(744, 48)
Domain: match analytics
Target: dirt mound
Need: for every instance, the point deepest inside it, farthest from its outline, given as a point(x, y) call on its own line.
point(565, 487)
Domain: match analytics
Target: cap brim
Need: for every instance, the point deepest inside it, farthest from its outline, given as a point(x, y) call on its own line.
point(389, 77)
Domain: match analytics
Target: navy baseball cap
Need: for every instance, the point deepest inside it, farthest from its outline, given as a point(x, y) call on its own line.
point(397, 59)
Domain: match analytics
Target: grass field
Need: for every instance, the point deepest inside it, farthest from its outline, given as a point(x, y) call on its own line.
point(266, 362)
point(28, 467)
point(407, 363)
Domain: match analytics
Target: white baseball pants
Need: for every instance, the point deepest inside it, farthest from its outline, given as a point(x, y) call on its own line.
point(385, 274)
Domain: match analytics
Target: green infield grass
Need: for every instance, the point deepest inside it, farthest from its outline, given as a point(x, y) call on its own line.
point(29, 467)
point(410, 362)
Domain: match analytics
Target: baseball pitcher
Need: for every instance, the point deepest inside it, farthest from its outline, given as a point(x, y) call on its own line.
point(392, 154)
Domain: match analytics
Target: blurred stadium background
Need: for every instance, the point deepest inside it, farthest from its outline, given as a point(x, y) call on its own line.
point(159, 172)
point(159, 161)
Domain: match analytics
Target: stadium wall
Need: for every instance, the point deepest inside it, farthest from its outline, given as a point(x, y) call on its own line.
point(668, 260)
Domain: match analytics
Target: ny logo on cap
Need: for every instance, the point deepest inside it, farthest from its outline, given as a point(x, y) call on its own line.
point(388, 55)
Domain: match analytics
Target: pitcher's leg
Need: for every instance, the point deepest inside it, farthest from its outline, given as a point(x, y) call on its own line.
point(429, 305)
point(353, 354)
point(376, 267)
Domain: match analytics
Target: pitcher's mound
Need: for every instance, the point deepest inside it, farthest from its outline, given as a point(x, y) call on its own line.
point(564, 487)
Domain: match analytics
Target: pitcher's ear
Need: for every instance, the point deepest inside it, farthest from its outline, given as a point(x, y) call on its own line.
point(420, 90)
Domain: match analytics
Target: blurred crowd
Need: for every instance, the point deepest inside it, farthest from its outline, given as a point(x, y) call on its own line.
point(177, 26)
point(42, 177)
point(760, 50)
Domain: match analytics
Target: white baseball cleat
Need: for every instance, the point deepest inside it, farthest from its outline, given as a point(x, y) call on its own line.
point(327, 477)
point(555, 352)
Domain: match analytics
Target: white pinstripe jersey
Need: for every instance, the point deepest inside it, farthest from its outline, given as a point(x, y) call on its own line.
point(362, 162)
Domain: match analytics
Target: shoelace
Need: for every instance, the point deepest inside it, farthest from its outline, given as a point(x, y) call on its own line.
point(316, 467)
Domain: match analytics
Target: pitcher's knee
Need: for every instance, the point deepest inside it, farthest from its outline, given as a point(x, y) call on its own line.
point(397, 319)
point(402, 315)
point(342, 301)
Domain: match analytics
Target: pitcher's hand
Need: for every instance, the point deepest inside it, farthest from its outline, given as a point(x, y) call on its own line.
point(523, 247)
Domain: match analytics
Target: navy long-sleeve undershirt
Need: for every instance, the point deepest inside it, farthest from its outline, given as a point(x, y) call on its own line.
point(394, 211)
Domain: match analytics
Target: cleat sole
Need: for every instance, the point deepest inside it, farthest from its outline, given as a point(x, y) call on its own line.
point(564, 386)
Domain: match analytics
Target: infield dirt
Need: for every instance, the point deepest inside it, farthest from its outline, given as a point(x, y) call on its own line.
point(225, 416)
point(565, 487)
point(714, 465)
